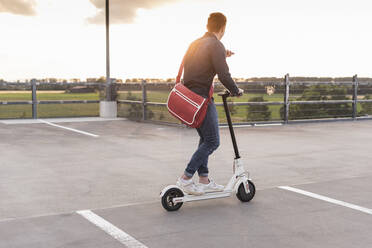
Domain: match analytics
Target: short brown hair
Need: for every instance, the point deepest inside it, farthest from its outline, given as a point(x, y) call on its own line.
point(216, 21)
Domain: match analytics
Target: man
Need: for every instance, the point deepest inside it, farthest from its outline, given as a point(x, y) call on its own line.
point(205, 58)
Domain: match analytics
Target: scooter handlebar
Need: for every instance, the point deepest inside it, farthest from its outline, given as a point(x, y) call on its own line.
point(227, 93)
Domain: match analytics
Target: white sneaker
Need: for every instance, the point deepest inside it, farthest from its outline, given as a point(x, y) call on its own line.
point(189, 187)
point(212, 186)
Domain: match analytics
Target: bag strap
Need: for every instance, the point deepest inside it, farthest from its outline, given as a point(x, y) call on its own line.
point(211, 89)
point(180, 71)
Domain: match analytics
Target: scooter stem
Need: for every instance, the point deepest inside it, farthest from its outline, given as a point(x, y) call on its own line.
point(229, 122)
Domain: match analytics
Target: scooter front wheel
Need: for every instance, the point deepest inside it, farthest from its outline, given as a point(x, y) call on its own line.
point(242, 195)
point(167, 199)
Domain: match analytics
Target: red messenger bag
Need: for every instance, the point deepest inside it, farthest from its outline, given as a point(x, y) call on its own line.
point(187, 106)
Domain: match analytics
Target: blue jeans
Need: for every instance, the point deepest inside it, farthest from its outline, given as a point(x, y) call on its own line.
point(208, 143)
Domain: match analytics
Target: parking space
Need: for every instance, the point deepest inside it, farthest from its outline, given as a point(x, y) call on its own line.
point(353, 190)
point(47, 173)
point(275, 218)
point(67, 230)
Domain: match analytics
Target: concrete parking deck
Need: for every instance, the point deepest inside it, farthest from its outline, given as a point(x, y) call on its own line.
point(50, 170)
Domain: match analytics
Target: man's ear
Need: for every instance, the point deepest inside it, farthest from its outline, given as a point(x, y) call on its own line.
point(222, 30)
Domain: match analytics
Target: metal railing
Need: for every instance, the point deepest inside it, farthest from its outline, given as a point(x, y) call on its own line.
point(285, 88)
point(286, 103)
point(35, 102)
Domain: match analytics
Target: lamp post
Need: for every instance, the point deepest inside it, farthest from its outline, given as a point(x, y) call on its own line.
point(108, 78)
point(108, 107)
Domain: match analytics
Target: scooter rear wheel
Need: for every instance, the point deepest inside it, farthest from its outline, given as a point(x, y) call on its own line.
point(167, 199)
point(242, 195)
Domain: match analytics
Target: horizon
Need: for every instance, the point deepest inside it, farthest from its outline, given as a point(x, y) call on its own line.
point(49, 39)
point(102, 79)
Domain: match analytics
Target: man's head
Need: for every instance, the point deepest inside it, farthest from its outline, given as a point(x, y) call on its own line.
point(216, 24)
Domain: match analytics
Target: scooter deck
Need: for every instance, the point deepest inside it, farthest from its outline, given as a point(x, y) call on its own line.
point(206, 196)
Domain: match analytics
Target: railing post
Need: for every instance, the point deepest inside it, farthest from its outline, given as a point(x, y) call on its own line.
point(355, 96)
point(113, 94)
point(34, 99)
point(286, 99)
point(144, 100)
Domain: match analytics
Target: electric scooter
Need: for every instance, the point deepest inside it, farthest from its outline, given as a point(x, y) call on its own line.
point(172, 196)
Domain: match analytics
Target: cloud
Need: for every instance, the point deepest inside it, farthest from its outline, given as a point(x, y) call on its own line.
point(123, 11)
point(18, 7)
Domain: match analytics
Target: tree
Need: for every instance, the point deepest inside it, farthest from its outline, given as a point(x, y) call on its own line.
point(101, 80)
point(366, 106)
point(52, 80)
point(320, 110)
point(339, 109)
point(135, 109)
point(258, 112)
point(75, 80)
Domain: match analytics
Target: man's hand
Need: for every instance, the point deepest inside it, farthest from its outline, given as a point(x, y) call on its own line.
point(229, 53)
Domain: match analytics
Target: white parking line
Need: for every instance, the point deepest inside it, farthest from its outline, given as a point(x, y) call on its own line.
point(268, 125)
point(59, 120)
point(327, 199)
point(237, 126)
point(70, 129)
point(255, 125)
point(112, 230)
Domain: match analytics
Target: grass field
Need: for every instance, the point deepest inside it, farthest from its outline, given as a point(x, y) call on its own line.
point(26, 96)
point(48, 110)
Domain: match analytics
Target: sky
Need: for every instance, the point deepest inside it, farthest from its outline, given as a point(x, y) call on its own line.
point(66, 39)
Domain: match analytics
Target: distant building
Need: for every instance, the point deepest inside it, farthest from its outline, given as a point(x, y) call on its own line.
point(92, 80)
